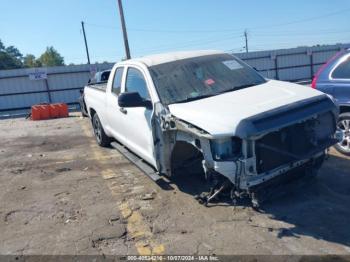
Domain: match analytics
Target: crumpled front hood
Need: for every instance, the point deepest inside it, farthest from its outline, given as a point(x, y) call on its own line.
point(221, 115)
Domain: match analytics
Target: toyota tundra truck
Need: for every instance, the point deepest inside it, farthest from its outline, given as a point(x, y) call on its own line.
point(210, 111)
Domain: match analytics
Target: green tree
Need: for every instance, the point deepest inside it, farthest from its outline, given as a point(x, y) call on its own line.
point(51, 58)
point(16, 56)
point(2, 47)
point(7, 62)
point(10, 57)
point(30, 61)
point(14, 52)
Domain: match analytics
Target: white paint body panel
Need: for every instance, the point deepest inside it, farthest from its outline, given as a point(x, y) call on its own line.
point(219, 115)
point(132, 129)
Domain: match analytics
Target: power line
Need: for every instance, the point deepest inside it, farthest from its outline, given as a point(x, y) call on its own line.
point(296, 33)
point(189, 44)
point(206, 41)
point(305, 19)
point(227, 30)
point(195, 42)
point(215, 39)
point(164, 31)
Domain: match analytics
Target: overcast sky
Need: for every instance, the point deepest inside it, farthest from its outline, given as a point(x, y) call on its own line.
point(157, 26)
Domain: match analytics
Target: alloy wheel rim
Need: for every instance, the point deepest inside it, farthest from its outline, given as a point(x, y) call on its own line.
point(97, 129)
point(344, 125)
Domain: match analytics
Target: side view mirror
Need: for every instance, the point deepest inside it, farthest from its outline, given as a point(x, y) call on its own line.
point(133, 99)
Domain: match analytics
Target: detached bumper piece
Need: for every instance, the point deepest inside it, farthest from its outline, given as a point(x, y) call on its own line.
point(49, 111)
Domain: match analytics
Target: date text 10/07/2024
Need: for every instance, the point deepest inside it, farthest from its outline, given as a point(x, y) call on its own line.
point(172, 258)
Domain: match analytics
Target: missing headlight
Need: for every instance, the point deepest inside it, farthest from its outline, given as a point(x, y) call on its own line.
point(226, 149)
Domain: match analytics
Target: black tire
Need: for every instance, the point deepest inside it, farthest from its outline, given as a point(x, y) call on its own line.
point(82, 104)
point(344, 124)
point(84, 112)
point(102, 139)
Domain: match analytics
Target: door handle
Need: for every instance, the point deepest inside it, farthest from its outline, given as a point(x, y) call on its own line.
point(123, 110)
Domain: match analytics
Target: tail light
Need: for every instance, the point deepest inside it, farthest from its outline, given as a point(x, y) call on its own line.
point(323, 67)
point(314, 80)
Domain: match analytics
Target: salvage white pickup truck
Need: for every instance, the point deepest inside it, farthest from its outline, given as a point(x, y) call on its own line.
point(208, 110)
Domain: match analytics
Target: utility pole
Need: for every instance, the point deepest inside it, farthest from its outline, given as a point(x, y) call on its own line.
point(125, 35)
point(246, 40)
point(86, 46)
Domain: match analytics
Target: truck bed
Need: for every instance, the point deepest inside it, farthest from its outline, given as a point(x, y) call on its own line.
point(99, 86)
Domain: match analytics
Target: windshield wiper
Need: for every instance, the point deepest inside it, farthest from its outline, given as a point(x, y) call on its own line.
point(235, 89)
point(189, 99)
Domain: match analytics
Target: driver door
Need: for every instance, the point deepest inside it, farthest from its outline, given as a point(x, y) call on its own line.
point(136, 121)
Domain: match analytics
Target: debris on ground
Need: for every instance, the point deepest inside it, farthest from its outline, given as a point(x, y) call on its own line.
point(149, 196)
point(64, 169)
point(113, 219)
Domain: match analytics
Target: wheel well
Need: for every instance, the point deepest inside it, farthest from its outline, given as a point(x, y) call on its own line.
point(186, 157)
point(92, 112)
point(344, 109)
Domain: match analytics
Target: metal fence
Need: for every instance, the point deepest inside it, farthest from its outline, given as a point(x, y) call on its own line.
point(295, 64)
point(19, 91)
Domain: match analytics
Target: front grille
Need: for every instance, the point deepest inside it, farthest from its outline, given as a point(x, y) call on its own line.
point(294, 142)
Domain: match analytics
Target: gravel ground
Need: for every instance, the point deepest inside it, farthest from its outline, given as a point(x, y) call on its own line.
point(62, 194)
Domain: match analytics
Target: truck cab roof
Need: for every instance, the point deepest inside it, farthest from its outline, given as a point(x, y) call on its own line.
point(157, 59)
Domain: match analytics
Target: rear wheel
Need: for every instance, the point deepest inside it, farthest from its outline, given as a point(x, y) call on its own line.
point(344, 125)
point(100, 135)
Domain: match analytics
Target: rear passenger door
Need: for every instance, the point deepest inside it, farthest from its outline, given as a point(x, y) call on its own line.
point(113, 111)
point(341, 81)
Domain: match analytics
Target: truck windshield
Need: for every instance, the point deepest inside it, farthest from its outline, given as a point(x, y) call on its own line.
point(200, 77)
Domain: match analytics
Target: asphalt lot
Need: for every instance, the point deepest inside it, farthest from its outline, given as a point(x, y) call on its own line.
point(62, 194)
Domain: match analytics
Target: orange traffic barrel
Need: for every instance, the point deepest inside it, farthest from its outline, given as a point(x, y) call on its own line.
point(63, 110)
point(47, 111)
point(40, 112)
point(54, 110)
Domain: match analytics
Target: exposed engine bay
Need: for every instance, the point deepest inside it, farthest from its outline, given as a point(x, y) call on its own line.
point(242, 166)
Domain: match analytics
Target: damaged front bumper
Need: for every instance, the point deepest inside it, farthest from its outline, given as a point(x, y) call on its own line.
point(243, 179)
point(243, 172)
point(276, 152)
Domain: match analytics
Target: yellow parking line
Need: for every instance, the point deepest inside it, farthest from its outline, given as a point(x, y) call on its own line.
point(137, 228)
point(140, 232)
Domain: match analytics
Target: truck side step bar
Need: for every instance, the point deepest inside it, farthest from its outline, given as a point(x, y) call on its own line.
point(139, 162)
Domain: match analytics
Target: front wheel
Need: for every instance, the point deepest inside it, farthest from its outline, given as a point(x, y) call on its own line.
point(344, 125)
point(101, 137)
